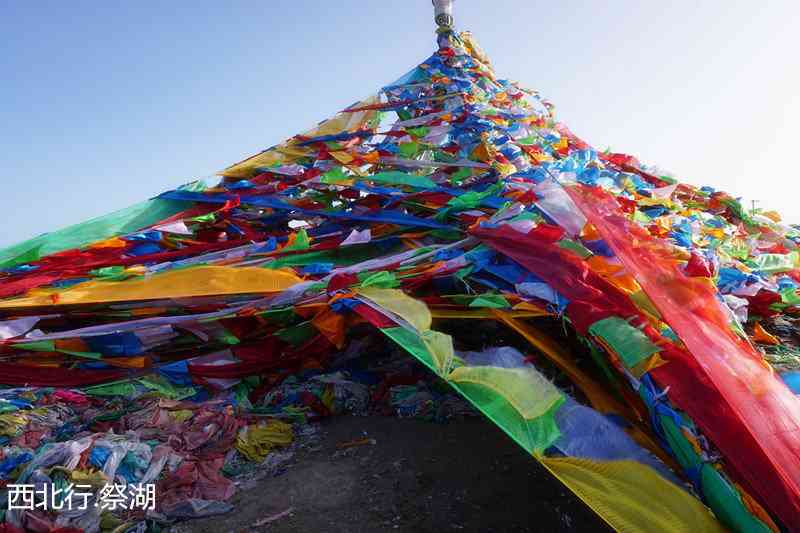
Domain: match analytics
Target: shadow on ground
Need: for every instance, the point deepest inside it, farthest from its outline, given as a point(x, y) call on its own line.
point(417, 477)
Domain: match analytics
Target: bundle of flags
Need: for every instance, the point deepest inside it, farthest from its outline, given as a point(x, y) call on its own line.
point(453, 196)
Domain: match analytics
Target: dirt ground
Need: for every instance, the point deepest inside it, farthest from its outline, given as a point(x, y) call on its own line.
point(410, 476)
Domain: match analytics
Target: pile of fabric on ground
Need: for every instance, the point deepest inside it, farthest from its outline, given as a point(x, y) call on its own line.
point(191, 446)
point(647, 349)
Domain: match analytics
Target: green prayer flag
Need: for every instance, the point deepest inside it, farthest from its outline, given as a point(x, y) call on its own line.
point(575, 247)
point(301, 242)
point(409, 149)
point(297, 335)
point(36, 346)
point(494, 301)
point(382, 279)
point(85, 355)
point(418, 132)
point(629, 343)
point(395, 177)
point(334, 175)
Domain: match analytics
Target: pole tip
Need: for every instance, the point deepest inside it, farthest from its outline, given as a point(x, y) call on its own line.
point(443, 13)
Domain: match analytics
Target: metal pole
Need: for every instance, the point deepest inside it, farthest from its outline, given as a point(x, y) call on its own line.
point(443, 10)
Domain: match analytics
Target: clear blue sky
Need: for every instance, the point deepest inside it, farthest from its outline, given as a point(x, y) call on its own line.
point(103, 104)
